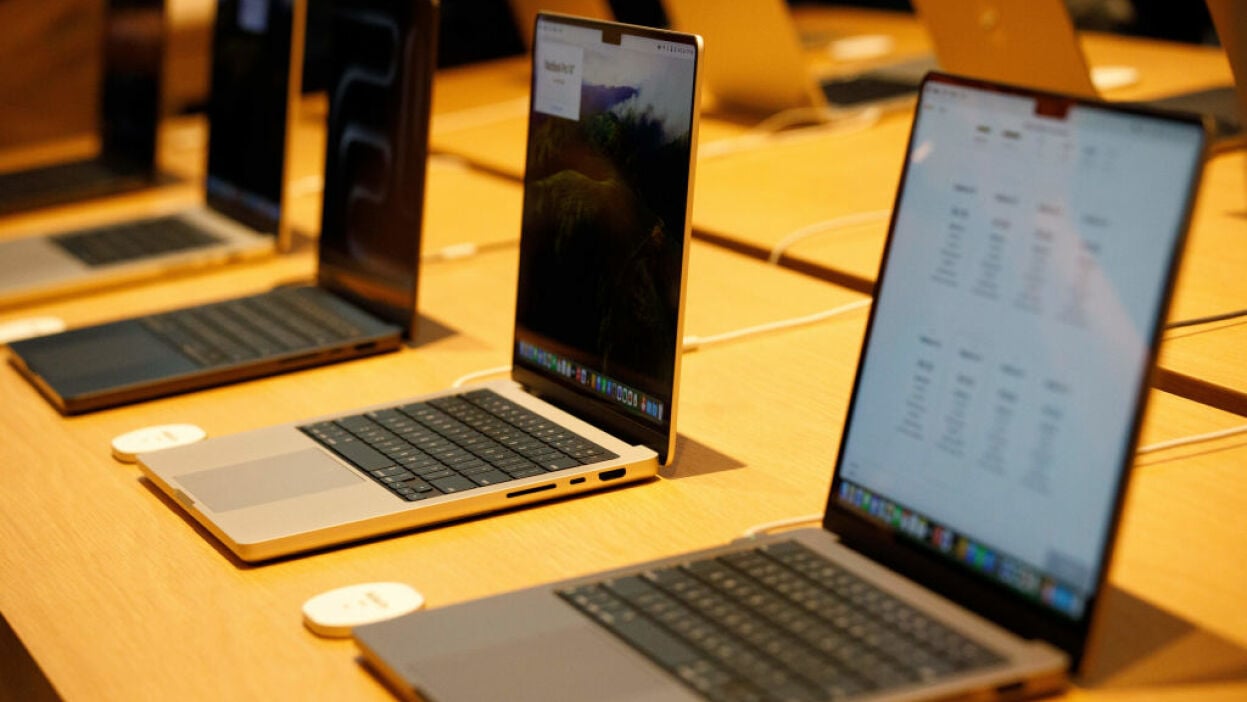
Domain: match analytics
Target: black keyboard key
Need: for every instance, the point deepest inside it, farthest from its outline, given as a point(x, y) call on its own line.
point(473, 468)
point(559, 463)
point(398, 478)
point(363, 456)
point(453, 484)
point(518, 473)
point(388, 472)
point(489, 477)
point(540, 453)
point(417, 485)
point(418, 462)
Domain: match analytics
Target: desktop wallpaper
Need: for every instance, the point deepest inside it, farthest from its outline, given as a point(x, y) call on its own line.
point(603, 230)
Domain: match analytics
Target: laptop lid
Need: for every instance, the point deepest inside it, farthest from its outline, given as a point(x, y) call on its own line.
point(134, 43)
point(1029, 43)
point(603, 248)
point(257, 48)
point(1005, 367)
point(380, 67)
point(757, 62)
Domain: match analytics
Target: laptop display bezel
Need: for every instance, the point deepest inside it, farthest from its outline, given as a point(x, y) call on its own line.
point(598, 411)
point(977, 593)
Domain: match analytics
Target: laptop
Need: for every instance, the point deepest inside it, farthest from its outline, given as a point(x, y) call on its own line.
point(592, 397)
point(1035, 44)
point(982, 464)
point(758, 62)
point(381, 67)
point(257, 45)
point(132, 55)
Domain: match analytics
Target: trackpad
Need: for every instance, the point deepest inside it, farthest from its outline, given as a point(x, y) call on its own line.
point(267, 480)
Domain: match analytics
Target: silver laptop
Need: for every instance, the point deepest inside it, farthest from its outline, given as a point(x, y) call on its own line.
point(1035, 44)
point(257, 53)
point(982, 464)
point(757, 62)
point(603, 252)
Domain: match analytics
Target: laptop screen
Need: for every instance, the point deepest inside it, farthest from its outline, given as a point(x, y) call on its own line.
point(1001, 384)
point(605, 224)
point(380, 72)
point(130, 97)
point(247, 110)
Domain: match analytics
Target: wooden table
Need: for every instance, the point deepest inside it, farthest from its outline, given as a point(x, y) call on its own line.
point(115, 595)
point(1207, 362)
point(1176, 627)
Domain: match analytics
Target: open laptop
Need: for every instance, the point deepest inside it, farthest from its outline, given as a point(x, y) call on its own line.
point(758, 63)
point(132, 51)
point(982, 464)
point(1034, 43)
point(257, 45)
point(381, 67)
point(596, 351)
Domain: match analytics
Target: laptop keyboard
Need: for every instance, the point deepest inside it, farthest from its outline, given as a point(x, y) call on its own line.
point(63, 182)
point(129, 241)
point(260, 326)
point(777, 622)
point(454, 443)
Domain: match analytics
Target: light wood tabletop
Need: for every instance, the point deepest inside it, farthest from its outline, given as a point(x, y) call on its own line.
point(1206, 361)
point(116, 595)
